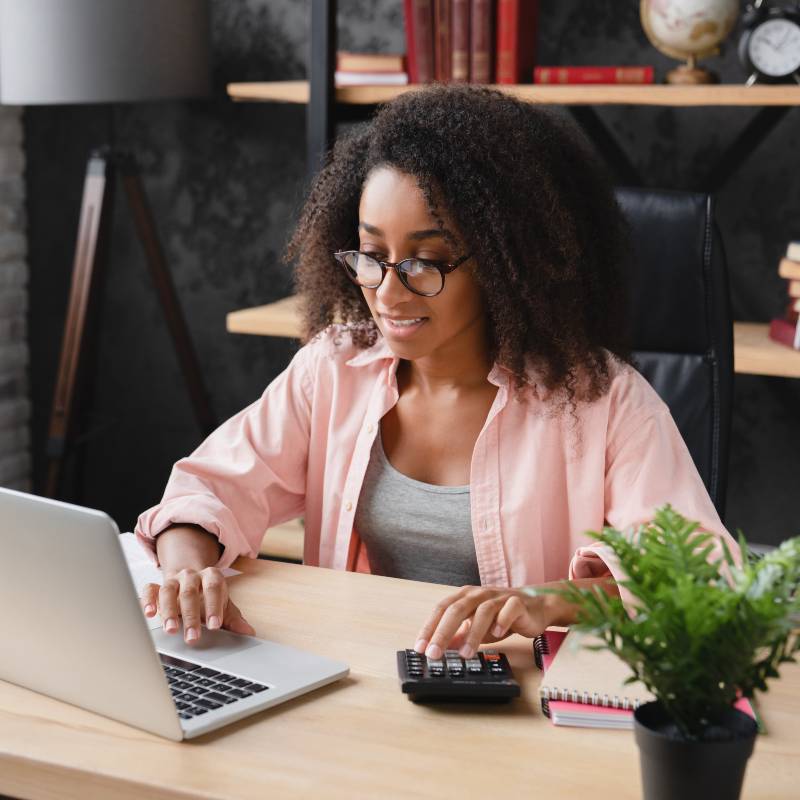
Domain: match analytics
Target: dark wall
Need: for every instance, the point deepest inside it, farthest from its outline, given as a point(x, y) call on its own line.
point(225, 179)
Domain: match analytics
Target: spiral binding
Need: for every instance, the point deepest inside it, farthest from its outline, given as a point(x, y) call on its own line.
point(574, 696)
point(540, 649)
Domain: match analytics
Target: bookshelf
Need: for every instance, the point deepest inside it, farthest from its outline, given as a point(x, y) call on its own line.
point(754, 353)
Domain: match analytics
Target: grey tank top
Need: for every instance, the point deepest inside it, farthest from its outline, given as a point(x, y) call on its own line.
point(415, 530)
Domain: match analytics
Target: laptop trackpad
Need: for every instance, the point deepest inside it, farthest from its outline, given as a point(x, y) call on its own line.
point(213, 645)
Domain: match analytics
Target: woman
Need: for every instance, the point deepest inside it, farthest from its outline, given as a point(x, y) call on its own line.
point(472, 412)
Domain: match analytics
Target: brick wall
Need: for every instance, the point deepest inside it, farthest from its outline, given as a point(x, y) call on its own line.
point(15, 459)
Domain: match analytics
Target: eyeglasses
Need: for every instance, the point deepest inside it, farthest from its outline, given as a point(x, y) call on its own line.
point(418, 275)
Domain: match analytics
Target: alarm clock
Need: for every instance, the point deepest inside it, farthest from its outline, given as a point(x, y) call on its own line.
point(770, 44)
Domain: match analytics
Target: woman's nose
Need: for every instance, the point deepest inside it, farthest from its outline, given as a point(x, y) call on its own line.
point(392, 291)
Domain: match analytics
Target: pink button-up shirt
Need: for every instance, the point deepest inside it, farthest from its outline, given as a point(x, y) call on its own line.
point(537, 481)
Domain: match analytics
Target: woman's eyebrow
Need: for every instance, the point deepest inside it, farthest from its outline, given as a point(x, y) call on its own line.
point(414, 235)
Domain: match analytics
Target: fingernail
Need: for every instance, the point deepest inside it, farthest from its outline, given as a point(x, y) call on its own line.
point(498, 631)
point(149, 609)
point(213, 622)
point(170, 626)
point(420, 645)
point(466, 651)
point(434, 651)
point(191, 634)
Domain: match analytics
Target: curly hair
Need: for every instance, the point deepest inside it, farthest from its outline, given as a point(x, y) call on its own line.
point(536, 210)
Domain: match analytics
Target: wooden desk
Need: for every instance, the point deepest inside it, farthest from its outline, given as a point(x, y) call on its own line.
point(360, 737)
point(754, 352)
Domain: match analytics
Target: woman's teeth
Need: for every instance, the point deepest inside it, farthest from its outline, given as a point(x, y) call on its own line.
point(404, 323)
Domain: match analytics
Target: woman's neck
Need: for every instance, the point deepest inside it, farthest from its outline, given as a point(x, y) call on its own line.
point(462, 366)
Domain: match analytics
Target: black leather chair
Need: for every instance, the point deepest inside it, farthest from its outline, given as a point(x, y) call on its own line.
point(682, 328)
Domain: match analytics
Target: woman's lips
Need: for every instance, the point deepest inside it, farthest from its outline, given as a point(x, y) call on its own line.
point(402, 327)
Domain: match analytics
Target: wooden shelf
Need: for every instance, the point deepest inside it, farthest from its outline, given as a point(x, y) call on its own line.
point(606, 94)
point(281, 318)
point(754, 352)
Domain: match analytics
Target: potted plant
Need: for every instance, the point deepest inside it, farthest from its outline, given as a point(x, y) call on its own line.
point(697, 632)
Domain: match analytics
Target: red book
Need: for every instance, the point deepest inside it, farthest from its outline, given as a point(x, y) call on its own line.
point(442, 40)
point(516, 40)
point(481, 41)
point(785, 332)
point(593, 75)
point(459, 66)
point(419, 39)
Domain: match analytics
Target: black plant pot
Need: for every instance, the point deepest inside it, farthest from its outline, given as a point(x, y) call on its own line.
point(674, 768)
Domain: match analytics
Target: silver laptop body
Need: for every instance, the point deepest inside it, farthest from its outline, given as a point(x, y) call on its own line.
point(72, 628)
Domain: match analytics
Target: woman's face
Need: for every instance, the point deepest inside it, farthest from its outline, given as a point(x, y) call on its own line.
point(394, 224)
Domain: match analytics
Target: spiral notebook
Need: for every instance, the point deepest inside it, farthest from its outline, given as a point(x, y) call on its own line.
point(586, 688)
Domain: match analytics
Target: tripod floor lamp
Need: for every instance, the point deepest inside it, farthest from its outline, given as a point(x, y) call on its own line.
point(105, 51)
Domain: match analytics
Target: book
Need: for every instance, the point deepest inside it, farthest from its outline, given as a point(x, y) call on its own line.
point(517, 22)
point(459, 65)
point(481, 41)
point(789, 269)
point(785, 332)
point(593, 74)
point(586, 688)
point(370, 62)
point(342, 78)
point(442, 40)
point(419, 39)
point(793, 251)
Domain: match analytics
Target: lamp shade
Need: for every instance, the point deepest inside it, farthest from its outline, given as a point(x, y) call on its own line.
point(97, 51)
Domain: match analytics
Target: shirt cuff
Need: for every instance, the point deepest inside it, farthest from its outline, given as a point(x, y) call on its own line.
point(206, 513)
point(598, 560)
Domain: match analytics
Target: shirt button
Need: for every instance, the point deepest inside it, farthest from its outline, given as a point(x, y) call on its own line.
point(370, 428)
point(349, 506)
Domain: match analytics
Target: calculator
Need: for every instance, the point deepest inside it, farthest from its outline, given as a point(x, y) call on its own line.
point(486, 677)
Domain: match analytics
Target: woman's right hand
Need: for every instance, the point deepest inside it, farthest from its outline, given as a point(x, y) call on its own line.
point(196, 597)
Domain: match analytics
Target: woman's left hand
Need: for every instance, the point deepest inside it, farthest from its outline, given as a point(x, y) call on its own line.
point(478, 614)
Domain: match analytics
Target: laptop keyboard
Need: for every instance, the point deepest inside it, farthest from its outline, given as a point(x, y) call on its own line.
point(197, 689)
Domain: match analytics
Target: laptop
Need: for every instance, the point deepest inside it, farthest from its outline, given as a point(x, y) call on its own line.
point(72, 628)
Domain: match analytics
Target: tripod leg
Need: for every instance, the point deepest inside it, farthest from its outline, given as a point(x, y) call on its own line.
point(95, 222)
point(167, 295)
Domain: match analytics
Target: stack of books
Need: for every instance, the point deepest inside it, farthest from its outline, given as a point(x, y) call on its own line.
point(786, 329)
point(471, 41)
point(370, 69)
point(490, 41)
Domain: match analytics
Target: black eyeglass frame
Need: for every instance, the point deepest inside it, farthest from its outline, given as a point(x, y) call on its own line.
point(444, 269)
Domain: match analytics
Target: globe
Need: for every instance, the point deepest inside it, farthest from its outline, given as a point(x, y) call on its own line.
point(688, 29)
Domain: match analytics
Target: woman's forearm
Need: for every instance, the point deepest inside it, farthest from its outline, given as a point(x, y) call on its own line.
point(187, 547)
point(563, 613)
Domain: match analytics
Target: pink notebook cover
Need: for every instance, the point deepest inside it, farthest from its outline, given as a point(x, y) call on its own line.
point(565, 712)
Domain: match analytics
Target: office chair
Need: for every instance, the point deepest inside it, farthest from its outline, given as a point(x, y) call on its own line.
point(682, 330)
